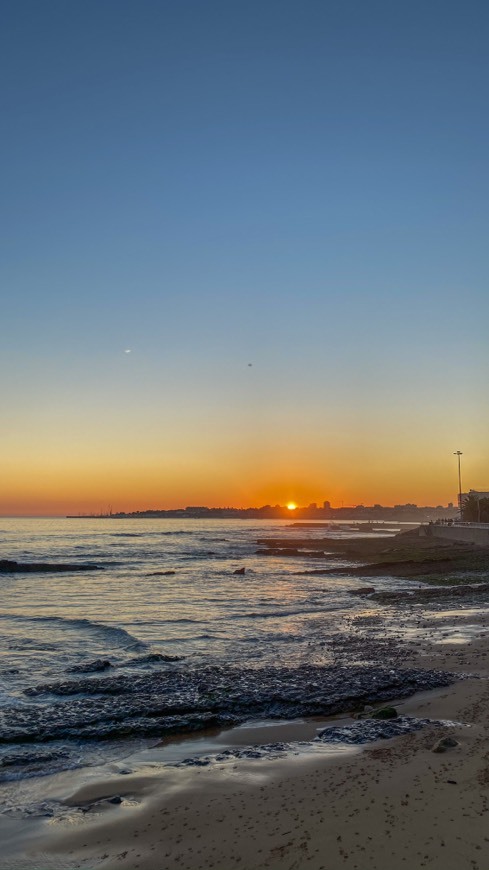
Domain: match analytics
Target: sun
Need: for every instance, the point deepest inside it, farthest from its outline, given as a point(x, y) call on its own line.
point(291, 506)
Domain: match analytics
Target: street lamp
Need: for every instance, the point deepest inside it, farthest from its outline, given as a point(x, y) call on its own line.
point(459, 453)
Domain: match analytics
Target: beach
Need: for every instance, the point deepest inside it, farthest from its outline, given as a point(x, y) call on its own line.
point(394, 803)
point(281, 775)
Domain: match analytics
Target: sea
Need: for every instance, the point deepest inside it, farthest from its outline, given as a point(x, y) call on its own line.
point(95, 665)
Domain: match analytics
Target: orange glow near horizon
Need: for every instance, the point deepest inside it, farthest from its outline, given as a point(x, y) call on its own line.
point(58, 471)
point(53, 490)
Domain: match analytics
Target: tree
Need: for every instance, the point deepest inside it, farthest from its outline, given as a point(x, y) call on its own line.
point(475, 510)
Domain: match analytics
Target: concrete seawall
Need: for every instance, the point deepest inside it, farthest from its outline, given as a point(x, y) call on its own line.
point(476, 533)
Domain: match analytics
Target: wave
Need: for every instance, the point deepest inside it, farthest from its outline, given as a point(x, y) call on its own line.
point(31, 643)
point(120, 636)
point(25, 763)
point(164, 534)
point(148, 534)
point(126, 534)
point(271, 614)
point(181, 621)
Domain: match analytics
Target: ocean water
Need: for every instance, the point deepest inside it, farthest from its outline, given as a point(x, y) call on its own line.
point(172, 644)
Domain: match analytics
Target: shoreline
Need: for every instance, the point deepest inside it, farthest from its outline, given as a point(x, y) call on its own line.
point(404, 809)
point(264, 794)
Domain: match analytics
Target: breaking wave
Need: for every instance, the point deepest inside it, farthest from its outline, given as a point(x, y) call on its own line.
point(117, 635)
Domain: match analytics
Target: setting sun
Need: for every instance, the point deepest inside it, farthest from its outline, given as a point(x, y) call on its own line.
point(291, 506)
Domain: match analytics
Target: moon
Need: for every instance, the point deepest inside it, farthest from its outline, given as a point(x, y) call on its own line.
point(128, 351)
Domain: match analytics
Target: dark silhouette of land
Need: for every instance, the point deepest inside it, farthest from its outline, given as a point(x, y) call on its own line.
point(375, 513)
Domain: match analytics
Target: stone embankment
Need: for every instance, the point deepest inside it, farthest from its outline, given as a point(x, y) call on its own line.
point(466, 533)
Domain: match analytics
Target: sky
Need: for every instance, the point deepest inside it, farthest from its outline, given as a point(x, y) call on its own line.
point(280, 208)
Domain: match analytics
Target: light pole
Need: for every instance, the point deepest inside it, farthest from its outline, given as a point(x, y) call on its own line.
point(458, 454)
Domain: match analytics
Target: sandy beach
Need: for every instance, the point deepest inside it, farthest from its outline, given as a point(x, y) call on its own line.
point(394, 803)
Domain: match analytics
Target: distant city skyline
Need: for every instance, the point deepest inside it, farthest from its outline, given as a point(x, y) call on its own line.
point(244, 254)
point(288, 511)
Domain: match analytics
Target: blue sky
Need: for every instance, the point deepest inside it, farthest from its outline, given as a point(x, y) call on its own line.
point(302, 186)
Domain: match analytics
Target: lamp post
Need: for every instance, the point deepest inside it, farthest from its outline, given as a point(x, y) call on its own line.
point(458, 454)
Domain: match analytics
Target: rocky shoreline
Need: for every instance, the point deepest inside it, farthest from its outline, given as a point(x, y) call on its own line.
point(406, 556)
point(186, 700)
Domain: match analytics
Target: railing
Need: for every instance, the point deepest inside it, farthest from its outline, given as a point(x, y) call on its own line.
point(471, 525)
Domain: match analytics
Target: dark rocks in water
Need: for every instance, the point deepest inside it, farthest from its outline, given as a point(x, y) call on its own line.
point(291, 551)
point(151, 658)
point(161, 574)
point(240, 571)
point(432, 593)
point(381, 713)
point(179, 699)
point(104, 664)
point(348, 735)
point(363, 590)
point(7, 566)
point(384, 713)
point(369, 730)
point(28, 757)
point(90, 667)
point(264, 750)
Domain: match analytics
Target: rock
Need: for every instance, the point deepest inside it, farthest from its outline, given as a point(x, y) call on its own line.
point(8, 566)
point(239, 571)
point(278, 551)
point(151, 658)
point(161, 574)
point(368, 730)
point(115, 800)
point(90, 667)
point(363, 590)
point(384, 713)
point(445, 743)
point(169, 700)
point(368, 713)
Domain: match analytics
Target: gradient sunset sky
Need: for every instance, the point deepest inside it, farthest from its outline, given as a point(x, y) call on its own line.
point(299, 186)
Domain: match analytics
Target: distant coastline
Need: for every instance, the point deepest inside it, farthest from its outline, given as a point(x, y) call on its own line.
point(408, 513)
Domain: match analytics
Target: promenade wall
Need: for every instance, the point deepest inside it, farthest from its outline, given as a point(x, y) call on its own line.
point(470, 533)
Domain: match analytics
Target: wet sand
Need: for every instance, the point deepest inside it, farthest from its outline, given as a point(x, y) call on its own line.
point(393, 804)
